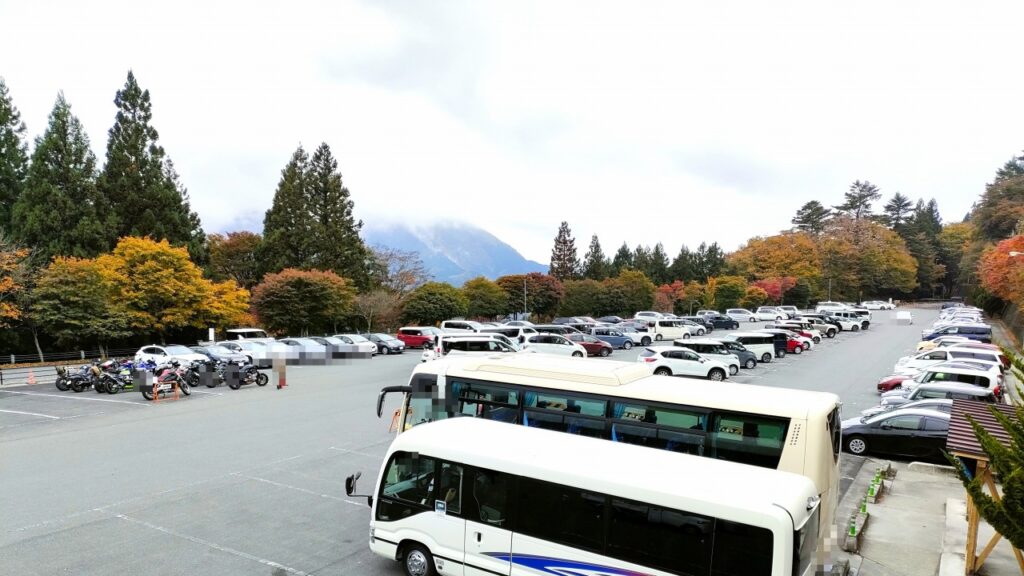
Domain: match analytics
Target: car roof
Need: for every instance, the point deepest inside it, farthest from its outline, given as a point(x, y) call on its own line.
point(909, 412)
point(955, 387)
point(959, 366)
point(686, 341)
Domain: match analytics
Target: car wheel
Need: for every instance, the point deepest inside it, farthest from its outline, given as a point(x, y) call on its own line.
point(865, 325)
point(663, 371)
point(798, 350)
point(605, 352)
point(577, 354)
point(717, 375)
point(418, 561)
point(831, 333)
point(806, 346)
point(856, 445)
point(686, 336)
point(385, 350)
point(735, 325)
point(427, 345)
point(855, 328)
point(733, 369)
point(700, 331)
point(645, 341)
point(766, 357)
point(627, 344)
point(780, 354)
point(657, 337)
point(750, 364)
point(752, 319)
point(817, 339)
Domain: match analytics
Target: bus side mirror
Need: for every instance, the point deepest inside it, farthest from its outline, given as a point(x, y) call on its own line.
point(350, 488)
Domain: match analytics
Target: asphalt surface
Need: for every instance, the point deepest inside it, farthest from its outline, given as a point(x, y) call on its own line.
point(251, 481)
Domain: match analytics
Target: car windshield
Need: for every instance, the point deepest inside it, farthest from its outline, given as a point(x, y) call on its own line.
point(174, 349)
point(355, 338)
point(384, 337)
point(219, 350)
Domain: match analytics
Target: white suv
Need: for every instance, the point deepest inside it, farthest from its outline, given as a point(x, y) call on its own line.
point(676, 361)
point(770, 313)
point(741, 315)
point(547, 343)
point(473, 344)
point(830, 306)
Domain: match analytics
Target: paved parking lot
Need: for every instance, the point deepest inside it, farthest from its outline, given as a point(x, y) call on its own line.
point(252, 481)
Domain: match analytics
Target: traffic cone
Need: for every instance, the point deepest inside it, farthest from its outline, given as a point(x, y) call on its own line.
point(31, 377)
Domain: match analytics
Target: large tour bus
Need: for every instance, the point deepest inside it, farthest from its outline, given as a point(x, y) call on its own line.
point(795, 431)
point(520, 501)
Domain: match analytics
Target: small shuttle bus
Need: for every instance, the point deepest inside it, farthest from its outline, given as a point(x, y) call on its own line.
point(473, 497)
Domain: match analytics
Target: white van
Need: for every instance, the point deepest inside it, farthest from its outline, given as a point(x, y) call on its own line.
point(760, 343)
point(670, 329)
point(461, 326)
point(515, 333)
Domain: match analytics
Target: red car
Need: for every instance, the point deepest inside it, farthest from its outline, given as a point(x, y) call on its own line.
point(892, 382)
point(416, 337)
point(794, 346)
point(593, 346)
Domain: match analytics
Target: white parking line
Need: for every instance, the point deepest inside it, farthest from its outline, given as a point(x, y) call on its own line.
point(86, 398)
point(31, 414)
point(206, 392)
point(296, 488)
point(215, 546)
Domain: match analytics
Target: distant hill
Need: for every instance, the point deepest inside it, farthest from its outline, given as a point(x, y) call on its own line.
point(453, 252)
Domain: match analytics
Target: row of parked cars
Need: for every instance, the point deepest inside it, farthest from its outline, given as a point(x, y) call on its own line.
point(955, 360)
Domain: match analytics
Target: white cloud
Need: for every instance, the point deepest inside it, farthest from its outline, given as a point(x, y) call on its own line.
point(660, 121)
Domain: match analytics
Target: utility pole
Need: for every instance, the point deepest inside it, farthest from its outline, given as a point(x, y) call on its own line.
point(829, 289)
point(524, 297)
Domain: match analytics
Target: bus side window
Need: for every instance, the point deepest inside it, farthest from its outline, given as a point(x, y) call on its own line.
point(490, 497)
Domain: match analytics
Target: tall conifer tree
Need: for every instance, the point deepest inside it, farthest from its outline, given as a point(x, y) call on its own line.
point(623, 259)
point(13, 156)
point(57, 213)
point(288, 225)
point(337, 245)
point(564, 263)
point(139, 180)
point(595, 263)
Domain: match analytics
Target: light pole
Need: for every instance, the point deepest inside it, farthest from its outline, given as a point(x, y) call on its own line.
point(524, 297)
point(829, 289)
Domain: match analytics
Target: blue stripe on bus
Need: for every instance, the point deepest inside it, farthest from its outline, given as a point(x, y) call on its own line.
point(560, 567)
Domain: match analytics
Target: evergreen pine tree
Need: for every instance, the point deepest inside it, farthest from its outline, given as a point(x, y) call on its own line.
point(287, 225)
point(682, 266)
point(897, 211)
point(623, 259)
point(564, 263)
point(13, 156)
point(858, 199)
point(336, 242)
point(1014, 167)
point(708, 261)
point(595, 263)
point(658, 267)
point(642, 260)
point(57, 213)
point(811, 218)
point(139, 181)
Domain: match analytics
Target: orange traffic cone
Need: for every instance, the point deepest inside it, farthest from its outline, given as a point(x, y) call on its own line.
point(31, 377)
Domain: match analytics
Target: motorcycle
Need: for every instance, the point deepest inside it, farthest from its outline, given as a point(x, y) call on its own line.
point(63, 381)
point(119, 376)
point(245, 374)
point(88, 377)
point(168, 377)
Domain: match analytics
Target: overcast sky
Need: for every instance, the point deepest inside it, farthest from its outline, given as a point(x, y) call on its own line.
point(675, 121)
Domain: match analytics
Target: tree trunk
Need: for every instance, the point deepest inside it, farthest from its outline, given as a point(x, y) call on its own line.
point(35, 339)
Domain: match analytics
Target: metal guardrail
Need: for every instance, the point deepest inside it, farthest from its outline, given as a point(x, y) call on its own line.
point(28, 374)
point(58, 357)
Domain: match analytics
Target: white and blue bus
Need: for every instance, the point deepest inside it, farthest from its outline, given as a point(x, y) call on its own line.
point(783, 429)
point(470, 497)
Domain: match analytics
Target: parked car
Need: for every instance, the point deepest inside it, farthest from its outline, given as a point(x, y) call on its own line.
point(639, 338)
point(937, 404)
point(593, 345)
point(683, 362)
point(979, 332)
point(706, 312)
point(665, 329)
point(248, 334)
point(848, 322)
point(951, 390)
point(416, 336)
point(708, 325)
point(878, 305)
point(806, 328)
point(829, 307)
point(163, 354)
point(722, 321)
point(518, 323)
point(517, 334)
point(613, 336)
point(922, 360)
point(386, 343)
point(824, 328)
point(648, 315)
point(550, 343)
point(769, 314)
point(760, 343)
point(790, 311)
point(856, 320)
point(471, 344)
point(562, 329)
point(741, 315)
point(794, 343)
point(460, 326)
point(305, 349)
point(716, 350)
point(219, 353)
point(254, 352)
point(360, 342)
point(911, 432)
point(610, 319)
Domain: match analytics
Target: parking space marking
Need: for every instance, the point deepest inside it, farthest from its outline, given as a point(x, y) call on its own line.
point(374, 456)
point(275, 565)
point(31, 414)
point(86, 398)
point(207, 392)
point(303, 490)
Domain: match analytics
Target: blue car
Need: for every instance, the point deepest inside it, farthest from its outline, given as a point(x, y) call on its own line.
point(612, 336)
point(979, 332)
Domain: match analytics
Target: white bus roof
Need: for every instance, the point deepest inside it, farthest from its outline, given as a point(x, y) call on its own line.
point(692, 483)
point(631, 380)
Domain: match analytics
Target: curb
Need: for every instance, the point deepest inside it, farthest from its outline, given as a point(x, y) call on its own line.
point(952, 562)
point(932, 469)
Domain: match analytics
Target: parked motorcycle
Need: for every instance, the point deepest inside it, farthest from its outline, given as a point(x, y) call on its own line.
point(168, 376)
point(118, 376)
point(245, 374)
point(88, 377)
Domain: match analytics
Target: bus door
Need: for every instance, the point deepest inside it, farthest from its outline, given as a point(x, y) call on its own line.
point(488, 537)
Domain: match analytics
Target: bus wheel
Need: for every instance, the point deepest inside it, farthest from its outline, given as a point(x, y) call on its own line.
point(418, 561)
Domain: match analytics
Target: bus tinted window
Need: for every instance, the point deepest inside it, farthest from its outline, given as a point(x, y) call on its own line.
point(565, 423)
point(659, 537)
point(561, 514)
point(489, 504)
point(741, 550)
point(657, 437)
point(564, 403)
point(485, 401)
point(748, 439)
point(656, 415)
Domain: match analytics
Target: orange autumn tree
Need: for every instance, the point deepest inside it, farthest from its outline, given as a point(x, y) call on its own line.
point(1003, 274)
point(11, 268)
point(783, 255)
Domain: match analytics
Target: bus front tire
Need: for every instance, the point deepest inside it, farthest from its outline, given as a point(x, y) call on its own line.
point(418, 561)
